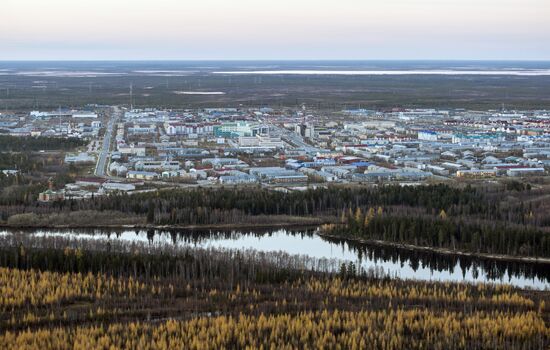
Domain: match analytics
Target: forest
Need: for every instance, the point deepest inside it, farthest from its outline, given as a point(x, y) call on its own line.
point(510, 218)
point(443, 232)
point(203, 205)
point(36, 159)
point(63, 293)
point(17, 144)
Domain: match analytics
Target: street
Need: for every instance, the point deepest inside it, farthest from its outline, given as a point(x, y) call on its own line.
point(105, 149)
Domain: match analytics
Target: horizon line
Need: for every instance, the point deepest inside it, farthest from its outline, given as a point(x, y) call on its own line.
point(278, 60)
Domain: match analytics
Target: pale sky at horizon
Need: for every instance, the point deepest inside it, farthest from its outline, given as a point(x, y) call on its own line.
point(268, 29)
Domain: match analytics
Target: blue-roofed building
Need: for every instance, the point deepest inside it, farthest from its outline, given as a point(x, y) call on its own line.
point(427, 135)
point(361, 164)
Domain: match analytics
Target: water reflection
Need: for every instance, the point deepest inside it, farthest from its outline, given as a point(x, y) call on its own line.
point(466, 267)
point(398, 262)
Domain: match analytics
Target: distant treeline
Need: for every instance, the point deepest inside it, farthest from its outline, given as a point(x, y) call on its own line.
point(20, 144)
point(228, 205)
point(207, 205)
point(443, 232)
point(236, 205)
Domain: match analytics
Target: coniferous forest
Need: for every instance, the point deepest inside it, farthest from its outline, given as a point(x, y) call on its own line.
point(510, 219)
point(61, 292)
point(17, 144)
point(65, 293)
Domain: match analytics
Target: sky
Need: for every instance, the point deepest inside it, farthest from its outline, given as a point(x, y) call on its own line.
point(274, 29)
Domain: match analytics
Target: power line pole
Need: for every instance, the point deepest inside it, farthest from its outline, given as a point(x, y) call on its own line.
point(131, 96)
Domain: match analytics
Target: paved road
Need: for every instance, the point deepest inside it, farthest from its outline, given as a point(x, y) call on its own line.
point(104, 154)
point(292, 138)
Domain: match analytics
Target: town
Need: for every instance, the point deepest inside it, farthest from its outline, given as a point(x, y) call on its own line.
point(129, 149)
point(274, 174)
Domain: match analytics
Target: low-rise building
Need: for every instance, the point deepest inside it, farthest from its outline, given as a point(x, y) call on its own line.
point(525, 171)
point(141, 175)
point(476, 173)
point(50, 195)
point(90, 181)
point(84, 114)
point(9, 172)
point(81, 158)
point(132, 150)
point(427, 135)
point(117, 186)
point(237, 179)
point(278, 175)
point(157, 165)
point(223, 162)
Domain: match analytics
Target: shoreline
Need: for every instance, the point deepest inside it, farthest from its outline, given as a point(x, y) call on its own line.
point(306, 224)
point(500, 257)
point(312, 224)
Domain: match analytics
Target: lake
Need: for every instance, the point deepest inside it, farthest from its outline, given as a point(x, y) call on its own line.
point(396, 262)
